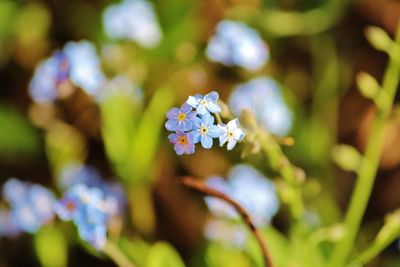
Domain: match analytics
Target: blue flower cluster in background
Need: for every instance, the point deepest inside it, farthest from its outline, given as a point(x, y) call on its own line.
point(235, 44)
point(89, 209)
point(262, 96)
point(88, 200)
point(77, 63)
point(133, 20)
point(197, 126)
point(31, 206)
point(248, 187)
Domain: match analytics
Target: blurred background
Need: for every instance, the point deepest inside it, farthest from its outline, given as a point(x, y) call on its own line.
point(312, 52)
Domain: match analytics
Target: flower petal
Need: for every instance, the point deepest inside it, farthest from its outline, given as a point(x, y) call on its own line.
point(206, 141)
point(214, 131)
point(231, 144)
point(238, 134)
point(189, 148)
point(222, 139)
point(233, 124)
point(192, 101)
point(185, 125)
point(214, 107)
point(201, 110)
point(194, 136)
point(207, 119)
point(172, 113)
point(211, 97)
point(173, 138)
point(171, 125)
point(196, 122)
point(179, 149)
point(186, 108)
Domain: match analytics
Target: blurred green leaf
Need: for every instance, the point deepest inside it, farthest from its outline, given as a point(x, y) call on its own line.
point(146, 139)
point(218, 255)
point(7, 12)
point(51, 247)
point(164, 255)
point(18, 138)
point(136, 249)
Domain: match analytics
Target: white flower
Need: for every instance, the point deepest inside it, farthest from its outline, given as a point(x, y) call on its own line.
point(230, 133)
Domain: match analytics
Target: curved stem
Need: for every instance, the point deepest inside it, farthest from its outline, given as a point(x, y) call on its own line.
point(370, 162)
point(208, 191)
point(112, 251)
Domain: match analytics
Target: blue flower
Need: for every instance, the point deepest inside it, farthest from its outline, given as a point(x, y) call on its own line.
point(48, 75)
point(205, 130)
point(31, 204)
point(228, 233)
point(85, 66)
point(183, 143)
point(235, 44)
point(251, 189)
point(133, 20)
point(89, 210)
point(8, 224)
point(180, 119)
point(262, 96)
point(205, 104)
point(230, 133)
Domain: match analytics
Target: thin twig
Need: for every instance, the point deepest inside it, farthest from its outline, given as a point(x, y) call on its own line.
point(208, 191)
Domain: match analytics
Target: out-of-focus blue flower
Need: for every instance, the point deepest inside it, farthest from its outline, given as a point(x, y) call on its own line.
point(205, 104)
point(48, 75)
point(262, 96)
point(74, 174)
point(183, 143)
point(132, 20)
point(235, 44)
point(204, 130)
point(248, 187)
point(87, 207)
point(31, 204)
point(226, 232)
point(85, 66)
point(8, 224)
point(230, 133)
point(180, 119)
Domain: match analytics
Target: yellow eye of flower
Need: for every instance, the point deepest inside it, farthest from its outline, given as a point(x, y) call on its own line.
point(203, 130)
point(181, 117)
point(182, 140)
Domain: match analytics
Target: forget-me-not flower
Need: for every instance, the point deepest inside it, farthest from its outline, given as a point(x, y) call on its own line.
point(87, 207)
point(31, 204)
point(205, 104)
point(230, 133)
point(236, 44)
point(204, 130)
point(262, 96)
point(180, 119)
point(251, 189)
point(133, 20)
point(183, 143)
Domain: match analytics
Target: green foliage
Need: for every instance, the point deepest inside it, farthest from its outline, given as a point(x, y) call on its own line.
point(51, 247)
point(162, 254)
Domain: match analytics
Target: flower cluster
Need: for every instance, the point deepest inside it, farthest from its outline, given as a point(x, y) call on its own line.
point(88, 208)
point(250, 188)
point(77, 63)
point(31, 207)
point(262, 96)
point(133, 20)
point(193, 123)
point(235, 44)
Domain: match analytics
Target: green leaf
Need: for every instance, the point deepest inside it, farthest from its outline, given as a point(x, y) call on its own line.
point(136, 249)
point(51, 247)
point(18, 138)
point(219, 255)
point(164, 255)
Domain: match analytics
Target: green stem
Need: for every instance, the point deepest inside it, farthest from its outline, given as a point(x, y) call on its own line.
point(282, 165)
point(369, 164)
point(111, 250)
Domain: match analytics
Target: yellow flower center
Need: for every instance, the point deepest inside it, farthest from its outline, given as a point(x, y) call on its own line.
point(203, 130)
point(203, 102)
point(230, 134)
point(181, 117)
point(182, 140)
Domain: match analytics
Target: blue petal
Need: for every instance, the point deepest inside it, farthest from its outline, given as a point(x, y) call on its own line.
point(211, 97)
point(189, 149)
point(214, 131)
point(186, 108)
point(178, 149)
point(196, 122)
point(192, 101)
point(171, 125)
point(214, 107)
point(206, 141)
point(207, 119)
point(201, 110)
point(172, 113)
point(194, 136)
point(185, 126)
